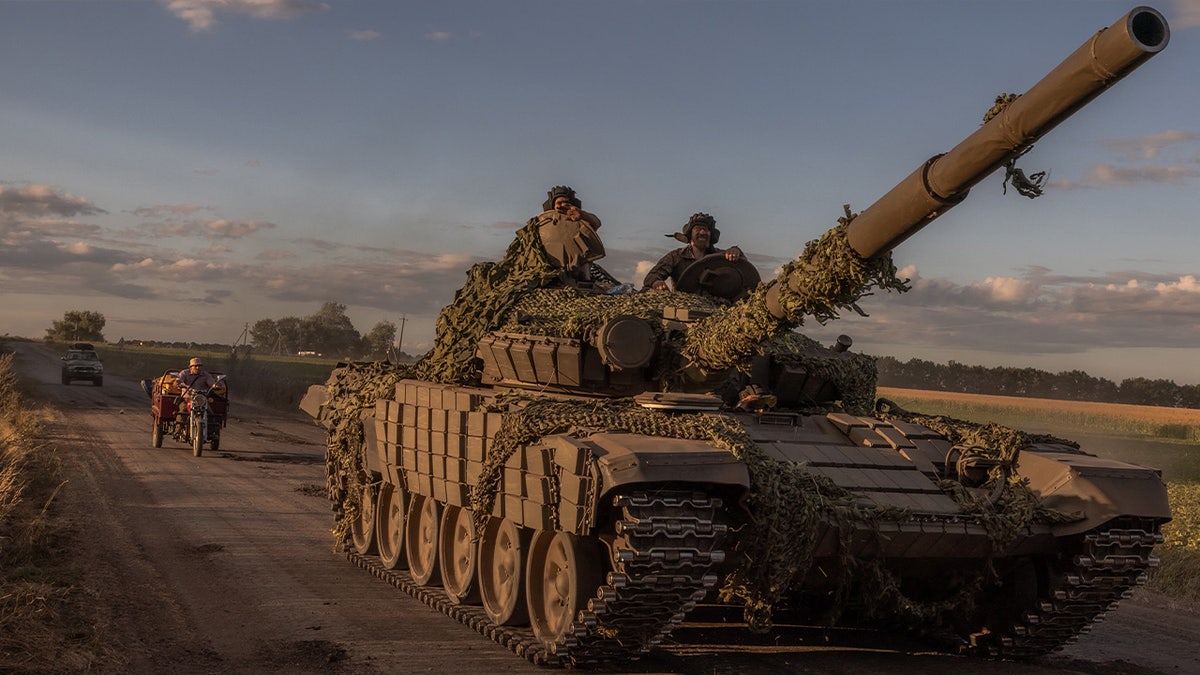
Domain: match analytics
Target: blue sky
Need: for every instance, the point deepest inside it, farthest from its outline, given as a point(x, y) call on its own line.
point(186, 167)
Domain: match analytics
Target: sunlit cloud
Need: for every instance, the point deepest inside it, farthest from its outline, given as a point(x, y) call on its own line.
point(200, 15)
point(1184, 14)
point(1038, 313)
point(1149, 147)
point(35, 200)
point(232, 229)
point(1110, 175)
point(363, 35)
point(438, 36)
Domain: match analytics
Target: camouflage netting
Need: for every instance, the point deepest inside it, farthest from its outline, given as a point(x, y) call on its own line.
point(827, 278)
point(1015, 506)
point(567, 313)
point(1026, 185)
point(787, 503)
point(786, 500)
point(483, 304)
point(352, 389)
point(854, 375)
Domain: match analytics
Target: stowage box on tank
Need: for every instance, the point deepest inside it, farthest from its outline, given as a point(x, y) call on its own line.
point(572, 471)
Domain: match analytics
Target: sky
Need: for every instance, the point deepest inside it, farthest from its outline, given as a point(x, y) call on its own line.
point(188, 167)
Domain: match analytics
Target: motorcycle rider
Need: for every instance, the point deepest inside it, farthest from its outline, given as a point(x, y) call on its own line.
point(195, 377)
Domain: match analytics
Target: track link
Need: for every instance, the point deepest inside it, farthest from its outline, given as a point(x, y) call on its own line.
point(1108, 564)
point(664, 550)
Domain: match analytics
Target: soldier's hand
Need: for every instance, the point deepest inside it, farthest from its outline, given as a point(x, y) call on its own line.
point(733, 253)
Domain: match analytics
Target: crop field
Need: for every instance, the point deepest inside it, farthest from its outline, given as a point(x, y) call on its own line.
point(1168, 424)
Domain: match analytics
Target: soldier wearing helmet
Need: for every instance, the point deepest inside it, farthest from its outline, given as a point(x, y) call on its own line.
point(700, 233)
point(568, 233)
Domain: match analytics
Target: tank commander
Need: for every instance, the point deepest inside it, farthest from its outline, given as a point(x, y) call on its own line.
point(568, 233)
point(700, 233)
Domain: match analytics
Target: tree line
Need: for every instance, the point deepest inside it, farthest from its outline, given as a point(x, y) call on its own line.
point(1071, 385)
point(329, 332)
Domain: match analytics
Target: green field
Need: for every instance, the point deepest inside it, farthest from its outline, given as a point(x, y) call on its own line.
point(275, 381)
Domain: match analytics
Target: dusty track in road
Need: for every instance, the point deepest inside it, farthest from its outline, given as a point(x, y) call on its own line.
point(224, 563)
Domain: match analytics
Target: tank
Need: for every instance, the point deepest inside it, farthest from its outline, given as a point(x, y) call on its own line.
point(572, 470)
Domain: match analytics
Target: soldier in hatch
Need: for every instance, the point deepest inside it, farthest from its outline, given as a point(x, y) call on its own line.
point(568, 233)
point(700, 233)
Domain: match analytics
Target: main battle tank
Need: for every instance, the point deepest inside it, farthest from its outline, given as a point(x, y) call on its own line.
point(571, 471)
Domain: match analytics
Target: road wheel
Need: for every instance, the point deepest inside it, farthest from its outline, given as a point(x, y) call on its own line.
point(458, 554)
point(563, 574)
point(421, 539)
point(156, 434)
point(197, 437)
point(389, 526)
point(502, 551)
point(362, 528)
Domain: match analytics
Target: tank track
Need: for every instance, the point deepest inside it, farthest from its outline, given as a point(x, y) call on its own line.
point(664, 550)
point(1108, 564)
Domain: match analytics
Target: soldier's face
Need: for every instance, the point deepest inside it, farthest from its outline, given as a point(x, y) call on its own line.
point(701, 236)
point(561, 204)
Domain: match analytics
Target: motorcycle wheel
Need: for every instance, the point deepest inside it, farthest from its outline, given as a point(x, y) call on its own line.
point(197, 437)
point(157, 433)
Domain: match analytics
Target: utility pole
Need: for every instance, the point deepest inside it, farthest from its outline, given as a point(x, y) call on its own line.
point(400, 342)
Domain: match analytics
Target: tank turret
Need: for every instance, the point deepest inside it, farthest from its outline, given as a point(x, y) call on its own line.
point(571, 468)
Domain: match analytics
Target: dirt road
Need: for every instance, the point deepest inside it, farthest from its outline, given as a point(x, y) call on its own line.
point(224, 564)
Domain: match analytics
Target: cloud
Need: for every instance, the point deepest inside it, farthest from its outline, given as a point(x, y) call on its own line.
point(1036, 313)
point(363, 35)
point(200, 15)
point(232, 229)
point(35, 200)
point(1148, 147)
point(1110, 175)
point(168, 210)
point(1185, 14)
point(438, 36)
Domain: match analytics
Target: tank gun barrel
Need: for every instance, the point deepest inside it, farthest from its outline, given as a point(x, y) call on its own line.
point(943, 181)
point(852, 258)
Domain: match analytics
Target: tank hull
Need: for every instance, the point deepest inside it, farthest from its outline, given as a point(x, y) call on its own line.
point(672, 522)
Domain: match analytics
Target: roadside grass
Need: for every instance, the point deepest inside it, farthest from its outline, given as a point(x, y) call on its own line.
point(43, 622)
point(1178, 574)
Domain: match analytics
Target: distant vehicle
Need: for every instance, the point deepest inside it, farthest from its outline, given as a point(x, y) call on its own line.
point(81, 362)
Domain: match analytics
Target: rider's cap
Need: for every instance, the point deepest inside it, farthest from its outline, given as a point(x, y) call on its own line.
point(195, 362)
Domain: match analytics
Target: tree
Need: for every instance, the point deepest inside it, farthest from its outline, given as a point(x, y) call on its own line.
point(264, 335)
point(379, 341)
point(76, 325)
point(330, 331)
